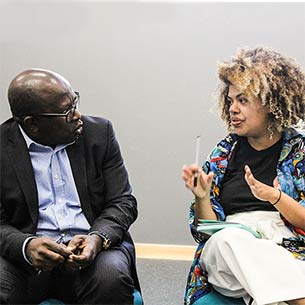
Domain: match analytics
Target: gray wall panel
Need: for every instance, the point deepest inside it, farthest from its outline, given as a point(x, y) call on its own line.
point(150, 67)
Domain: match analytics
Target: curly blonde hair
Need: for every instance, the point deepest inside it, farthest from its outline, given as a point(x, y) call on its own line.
point(262, 73)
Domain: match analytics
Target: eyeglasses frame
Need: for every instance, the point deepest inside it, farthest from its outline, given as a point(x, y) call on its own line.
point(72, 108)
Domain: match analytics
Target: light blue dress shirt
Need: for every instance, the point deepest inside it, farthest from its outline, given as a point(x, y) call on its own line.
point(60, 211)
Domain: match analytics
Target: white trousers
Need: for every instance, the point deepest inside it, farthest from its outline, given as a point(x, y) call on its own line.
point(240, 265)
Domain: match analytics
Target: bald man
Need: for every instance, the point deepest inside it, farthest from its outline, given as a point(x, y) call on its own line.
point(66, 202)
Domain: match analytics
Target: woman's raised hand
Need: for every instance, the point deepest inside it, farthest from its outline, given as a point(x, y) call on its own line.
point(202, 189)
point(261, 190)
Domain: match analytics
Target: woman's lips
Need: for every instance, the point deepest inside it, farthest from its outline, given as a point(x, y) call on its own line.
point(236, 123)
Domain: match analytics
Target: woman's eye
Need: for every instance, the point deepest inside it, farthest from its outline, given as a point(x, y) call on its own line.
point(243, 100)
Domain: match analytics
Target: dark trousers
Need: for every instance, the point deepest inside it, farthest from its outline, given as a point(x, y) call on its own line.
point(107, 280)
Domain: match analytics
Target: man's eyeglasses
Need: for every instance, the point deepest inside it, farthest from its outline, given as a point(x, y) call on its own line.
point(69, 114)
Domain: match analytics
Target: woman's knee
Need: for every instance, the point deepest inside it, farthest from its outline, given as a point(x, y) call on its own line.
point(223, 240)
point(229, 236)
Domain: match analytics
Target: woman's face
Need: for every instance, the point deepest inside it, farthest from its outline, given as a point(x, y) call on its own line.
point(249, 117)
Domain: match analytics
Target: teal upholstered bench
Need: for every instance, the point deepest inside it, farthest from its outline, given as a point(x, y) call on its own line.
point(215, 298)
point(137, 300)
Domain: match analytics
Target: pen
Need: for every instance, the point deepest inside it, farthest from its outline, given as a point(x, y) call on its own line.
point(59, 240)
point(197, 159)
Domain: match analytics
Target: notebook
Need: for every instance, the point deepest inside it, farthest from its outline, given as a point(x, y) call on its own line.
point(209, 227)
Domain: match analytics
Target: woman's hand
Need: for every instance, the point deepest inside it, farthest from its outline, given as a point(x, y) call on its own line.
point(261, 190)
point(292, 210)
point(204, 181)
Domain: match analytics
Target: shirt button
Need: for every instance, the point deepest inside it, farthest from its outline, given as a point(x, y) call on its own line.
point(61, 214)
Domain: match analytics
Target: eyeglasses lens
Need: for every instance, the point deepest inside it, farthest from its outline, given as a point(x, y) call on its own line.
point(71, 113)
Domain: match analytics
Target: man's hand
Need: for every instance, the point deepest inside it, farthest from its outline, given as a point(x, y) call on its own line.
point(84, 248)
point(45, 254)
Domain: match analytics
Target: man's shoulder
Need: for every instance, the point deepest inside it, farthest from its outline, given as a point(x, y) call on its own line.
point(6, 126)
point(96, 128)
point(7, 123)
point(93, 124)
point(95, 121)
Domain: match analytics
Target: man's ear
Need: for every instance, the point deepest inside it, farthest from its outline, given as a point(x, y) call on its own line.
point(30, 124)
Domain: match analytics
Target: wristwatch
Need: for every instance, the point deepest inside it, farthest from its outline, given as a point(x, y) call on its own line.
point(106, 241)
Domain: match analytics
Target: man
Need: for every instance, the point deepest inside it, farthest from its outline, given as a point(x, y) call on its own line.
point(66, 203)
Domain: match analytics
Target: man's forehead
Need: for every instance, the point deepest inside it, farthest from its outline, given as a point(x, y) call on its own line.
point(43, 80)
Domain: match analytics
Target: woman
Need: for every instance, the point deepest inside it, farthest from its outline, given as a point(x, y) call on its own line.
point(255, 176)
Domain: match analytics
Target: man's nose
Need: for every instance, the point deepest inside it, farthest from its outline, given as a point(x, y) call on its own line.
point(77, 114)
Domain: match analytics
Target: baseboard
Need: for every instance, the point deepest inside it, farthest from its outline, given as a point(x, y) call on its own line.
point(163, 251)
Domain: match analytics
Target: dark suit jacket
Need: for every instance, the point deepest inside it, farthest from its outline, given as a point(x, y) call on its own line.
point(101, 180)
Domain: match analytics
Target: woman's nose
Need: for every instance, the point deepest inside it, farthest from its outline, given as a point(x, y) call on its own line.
point(234, 107)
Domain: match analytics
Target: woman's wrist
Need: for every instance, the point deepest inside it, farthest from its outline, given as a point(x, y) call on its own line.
point(203, 197)
point(276, 197)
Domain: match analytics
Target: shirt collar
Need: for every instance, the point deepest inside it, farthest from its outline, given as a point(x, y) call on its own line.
point(27, 139)
point(29, 142)
point(291, 132)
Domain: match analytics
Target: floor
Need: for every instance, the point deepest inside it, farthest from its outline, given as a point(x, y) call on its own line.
point(163, 281)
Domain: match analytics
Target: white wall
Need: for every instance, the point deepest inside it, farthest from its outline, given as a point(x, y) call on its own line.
point(150, 67)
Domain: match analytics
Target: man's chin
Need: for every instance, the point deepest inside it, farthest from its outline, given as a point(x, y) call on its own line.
point(74, 138)
point(79, 130)
point(71, 139)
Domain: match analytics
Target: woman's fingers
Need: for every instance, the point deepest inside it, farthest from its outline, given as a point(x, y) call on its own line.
point(249, 176)
point(276, 183)
point(188, 173)
point(191, 169)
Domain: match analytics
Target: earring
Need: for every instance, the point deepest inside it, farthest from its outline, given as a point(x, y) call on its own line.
point(270, 130)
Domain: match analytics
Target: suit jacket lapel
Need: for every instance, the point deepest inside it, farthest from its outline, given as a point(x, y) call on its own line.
point(21, 161)
point(76, 153)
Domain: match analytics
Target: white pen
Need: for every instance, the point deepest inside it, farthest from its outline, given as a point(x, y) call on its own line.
point(60, 239)
point(197, 159)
